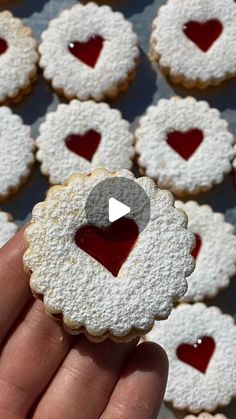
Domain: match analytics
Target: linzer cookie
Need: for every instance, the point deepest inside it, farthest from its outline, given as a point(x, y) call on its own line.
point(185, 145)
point(89, 52)
point(18, 58)
point(205, 415)
point(214, 252)
point(109, 279)
point(194, 41)
point(7, 228)
point(82, 136)
point(200, 343)
point(17, 152)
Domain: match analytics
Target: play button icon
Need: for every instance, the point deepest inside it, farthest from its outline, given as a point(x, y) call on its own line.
point(117, 210)
point(115, 199)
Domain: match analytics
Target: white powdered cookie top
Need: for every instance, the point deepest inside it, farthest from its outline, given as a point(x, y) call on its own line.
point(76, 284)
point(114, 152)
point(188, 331)
point(183, 56)
point(205, 166)
point(206, 415)
point(216, 259)
point(116, 55)
point(16, 148)
point(18, 62)
point(7, 228)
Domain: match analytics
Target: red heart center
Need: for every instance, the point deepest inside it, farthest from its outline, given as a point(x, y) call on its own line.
point(3, 46)
point(109, 246)
point(85, 145)
point(197, 355)
point(203, 34)
point(185, 143)
point(197, 247)
point(88, 52)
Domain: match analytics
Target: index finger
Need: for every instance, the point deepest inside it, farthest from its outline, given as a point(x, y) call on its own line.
point(14, 283)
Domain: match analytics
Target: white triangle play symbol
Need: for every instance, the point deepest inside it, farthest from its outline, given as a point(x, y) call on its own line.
point(117, 210)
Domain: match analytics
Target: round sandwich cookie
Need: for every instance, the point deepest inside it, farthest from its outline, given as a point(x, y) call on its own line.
point(18, 58)
point(214, 252)
point(17, 152)
point(200, 343)
point(194, 41)
point(89, 51)
point(205, 415)
point(82, 136)
point(185, 145)
point(108, 266)
point(7, 227)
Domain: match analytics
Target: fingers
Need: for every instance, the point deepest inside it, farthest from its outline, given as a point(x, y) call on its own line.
point(30, 358)
point(83, 385)
point(140, 390)
point(14, 283)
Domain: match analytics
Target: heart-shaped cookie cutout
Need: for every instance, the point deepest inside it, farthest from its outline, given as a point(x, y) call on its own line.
point(197, 247)
point(110, 246)
point(84, 145)
point(3, 46)
point(185, 143)
point(197, 355)
point(88, 52)
point(203, 34)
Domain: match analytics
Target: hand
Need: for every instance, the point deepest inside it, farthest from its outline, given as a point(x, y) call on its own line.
point(46, 373)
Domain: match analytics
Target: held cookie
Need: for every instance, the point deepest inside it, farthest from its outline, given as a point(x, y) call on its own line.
point(185, 145)
point(200, 343)
point(18, 58)
point(7, 227)
point(17, 152)
point(82, 136)
point(110, 281)
point(89, 52)
point(215, 251)
point(194, 41)
point(206, 415)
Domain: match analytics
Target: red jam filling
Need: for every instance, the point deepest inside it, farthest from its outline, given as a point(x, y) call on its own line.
point(84, 145)
point(197, 247)
point(3, 46)
point(88, 52)
point(110, 246)
point(203, 34)
point(185, 143)
point(197, 355)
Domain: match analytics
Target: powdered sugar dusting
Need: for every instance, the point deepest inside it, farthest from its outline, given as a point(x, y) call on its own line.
point(216, 261)
point(72, 282)
point(117, 58)
point(17, 148)
point(7, 228)
point(210, 162)
point(115, 150)
point(18, 63)
point(188, 388)
point(181, 56)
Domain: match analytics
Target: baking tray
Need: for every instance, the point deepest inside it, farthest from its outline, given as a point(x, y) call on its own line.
point(147, 88)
